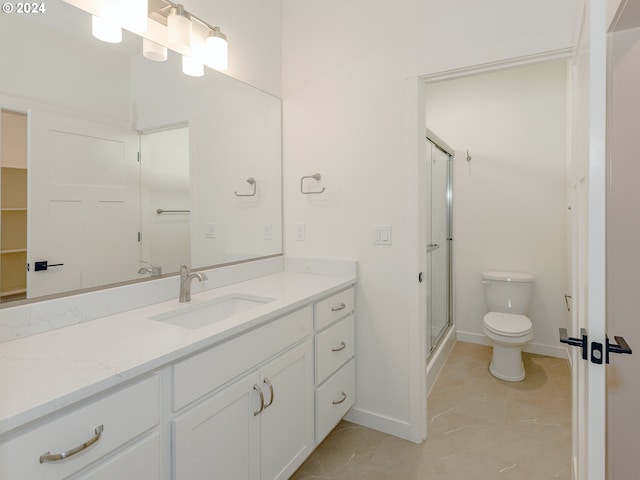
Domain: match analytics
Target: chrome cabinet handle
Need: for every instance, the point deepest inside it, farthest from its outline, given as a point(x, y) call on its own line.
point(268, 383)
point(342, 306)
point(56, 457)
point(259, 411)
point(338, 402)
point(340, 348)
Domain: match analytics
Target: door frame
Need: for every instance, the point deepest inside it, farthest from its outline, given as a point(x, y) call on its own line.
point(417, 333)
point(589, 176)
point(427, 200)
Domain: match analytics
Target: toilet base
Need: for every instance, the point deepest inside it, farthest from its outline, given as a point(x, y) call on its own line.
point(506, 363)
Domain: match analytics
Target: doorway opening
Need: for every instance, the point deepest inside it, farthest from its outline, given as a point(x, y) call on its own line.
point(13, 205)
point(510, 186)
point(165, 200)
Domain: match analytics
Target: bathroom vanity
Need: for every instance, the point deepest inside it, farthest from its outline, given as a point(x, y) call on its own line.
point(151, 394)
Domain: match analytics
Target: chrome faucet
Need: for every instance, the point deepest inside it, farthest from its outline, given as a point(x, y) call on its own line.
point(185, 282)
point(152, 270)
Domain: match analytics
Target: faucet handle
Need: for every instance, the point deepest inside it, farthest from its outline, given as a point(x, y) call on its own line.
point(184, 270)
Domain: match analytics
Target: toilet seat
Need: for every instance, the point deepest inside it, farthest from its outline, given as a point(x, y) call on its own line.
point(507, 324)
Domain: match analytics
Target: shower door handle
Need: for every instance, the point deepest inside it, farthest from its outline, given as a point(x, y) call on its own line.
point(432, 246)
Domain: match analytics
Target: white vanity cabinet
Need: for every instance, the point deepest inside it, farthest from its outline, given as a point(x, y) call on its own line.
point(108, 437)
point(256, 419)
point(245, 398)
point(334, 340)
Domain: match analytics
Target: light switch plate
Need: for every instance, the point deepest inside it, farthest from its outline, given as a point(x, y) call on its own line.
point(381, 234)
point(210, 230)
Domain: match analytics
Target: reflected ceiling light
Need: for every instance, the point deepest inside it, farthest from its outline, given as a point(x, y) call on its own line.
point(106, 30)
point(153, 51)
point(179, 28)
point(217, 50)
point(192, 66)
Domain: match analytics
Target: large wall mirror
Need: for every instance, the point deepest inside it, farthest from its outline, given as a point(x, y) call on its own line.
point(116, 168)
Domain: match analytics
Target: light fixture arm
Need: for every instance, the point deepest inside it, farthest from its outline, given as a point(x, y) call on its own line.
point(180, 10)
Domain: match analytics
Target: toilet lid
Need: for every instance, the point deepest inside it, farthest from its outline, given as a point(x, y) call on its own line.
point(507, 324)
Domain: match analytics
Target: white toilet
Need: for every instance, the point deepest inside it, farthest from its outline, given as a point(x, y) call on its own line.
point(508, 297)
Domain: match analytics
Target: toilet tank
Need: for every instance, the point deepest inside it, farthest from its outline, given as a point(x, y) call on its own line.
point(508, 292)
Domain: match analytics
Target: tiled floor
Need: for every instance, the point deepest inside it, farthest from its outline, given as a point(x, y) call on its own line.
point(480, 428)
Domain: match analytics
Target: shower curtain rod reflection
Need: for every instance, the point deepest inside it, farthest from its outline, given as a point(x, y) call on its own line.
point(160, 211)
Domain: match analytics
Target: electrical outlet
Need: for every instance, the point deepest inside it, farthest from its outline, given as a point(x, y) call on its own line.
point(300, 232)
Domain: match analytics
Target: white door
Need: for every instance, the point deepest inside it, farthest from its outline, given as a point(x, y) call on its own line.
point(588, 177)
point(83, 204)
point(623, 255)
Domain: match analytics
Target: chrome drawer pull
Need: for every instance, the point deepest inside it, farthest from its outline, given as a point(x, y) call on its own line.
point(340, 348)
point(257, 389)
point(338, 402)
point(56, 457)
point(266, 380)
point(342, 306)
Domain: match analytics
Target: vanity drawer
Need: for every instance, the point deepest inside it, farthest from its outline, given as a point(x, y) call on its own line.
point(334, 308)
point(334, 398)
point(140, 462)
point(123, 415)
point(334, 347)
point(204, 372)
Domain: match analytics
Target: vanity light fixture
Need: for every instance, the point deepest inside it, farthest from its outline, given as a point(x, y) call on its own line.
point(153, 51)
point(162, 24)
point(134, 14)
point(106, 30)
point(179, 27)
point(192, 66)
point(117, 14)
point(217, 50)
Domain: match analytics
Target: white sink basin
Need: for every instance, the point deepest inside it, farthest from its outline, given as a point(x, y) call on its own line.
point(200, 314)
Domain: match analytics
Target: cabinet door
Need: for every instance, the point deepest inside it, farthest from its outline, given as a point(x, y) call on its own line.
point(219, 437)
point(287, 420)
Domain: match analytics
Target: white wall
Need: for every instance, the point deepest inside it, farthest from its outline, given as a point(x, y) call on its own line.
point(253, 28)
point(510, 211)
point(350, 92)
point(462, 33)
point(56, 69)
point(234, 134)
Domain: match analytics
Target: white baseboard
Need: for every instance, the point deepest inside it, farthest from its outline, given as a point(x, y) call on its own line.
point(537, 348)
point(439, 358)
point(391, 426)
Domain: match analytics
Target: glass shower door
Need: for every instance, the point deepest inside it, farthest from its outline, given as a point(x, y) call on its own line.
point(439, 246)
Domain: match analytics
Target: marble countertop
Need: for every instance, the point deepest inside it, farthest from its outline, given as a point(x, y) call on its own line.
point(43, 373)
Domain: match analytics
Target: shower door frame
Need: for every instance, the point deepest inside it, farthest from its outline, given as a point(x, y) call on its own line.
point(432, 346)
